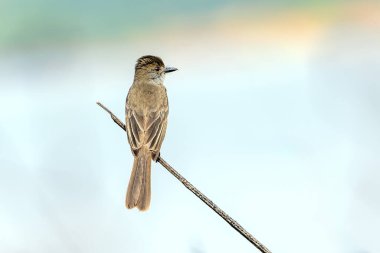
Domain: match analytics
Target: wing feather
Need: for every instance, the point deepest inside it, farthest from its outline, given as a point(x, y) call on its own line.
point(147, 129)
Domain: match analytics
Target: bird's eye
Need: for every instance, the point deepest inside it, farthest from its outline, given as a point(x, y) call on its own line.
point(157, 68)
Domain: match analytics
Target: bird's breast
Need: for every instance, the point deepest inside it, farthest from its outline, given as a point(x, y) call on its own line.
point(147, 98)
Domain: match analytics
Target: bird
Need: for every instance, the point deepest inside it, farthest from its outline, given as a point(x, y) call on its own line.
point(146, 118)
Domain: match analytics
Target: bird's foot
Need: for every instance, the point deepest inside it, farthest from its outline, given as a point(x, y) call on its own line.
point(156, 157)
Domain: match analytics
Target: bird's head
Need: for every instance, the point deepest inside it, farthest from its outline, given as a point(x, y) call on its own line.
point(151, 67)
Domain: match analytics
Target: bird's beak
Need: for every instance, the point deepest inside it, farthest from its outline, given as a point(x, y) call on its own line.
point(170, 69)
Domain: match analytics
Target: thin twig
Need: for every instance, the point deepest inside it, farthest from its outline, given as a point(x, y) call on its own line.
point(199, 194)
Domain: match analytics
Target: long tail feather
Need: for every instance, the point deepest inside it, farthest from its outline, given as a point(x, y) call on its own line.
point(138, 194)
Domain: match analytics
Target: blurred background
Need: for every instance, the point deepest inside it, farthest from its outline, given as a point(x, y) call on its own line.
point(274, 114)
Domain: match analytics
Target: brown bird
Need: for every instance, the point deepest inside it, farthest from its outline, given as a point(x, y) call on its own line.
point(146, 117)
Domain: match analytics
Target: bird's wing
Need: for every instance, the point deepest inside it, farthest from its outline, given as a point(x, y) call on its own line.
point(133, 124)
point(146, 130)
point(156, 129)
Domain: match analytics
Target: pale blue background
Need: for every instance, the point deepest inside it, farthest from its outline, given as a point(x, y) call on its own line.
point(280, 128)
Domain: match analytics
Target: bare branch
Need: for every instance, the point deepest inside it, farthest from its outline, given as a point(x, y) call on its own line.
point(199, 194)
point(115, 119)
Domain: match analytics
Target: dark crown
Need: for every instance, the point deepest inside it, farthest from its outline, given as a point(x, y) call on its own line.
point(147, 60)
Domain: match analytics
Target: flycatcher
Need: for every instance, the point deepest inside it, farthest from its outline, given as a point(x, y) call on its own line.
point(146, 118)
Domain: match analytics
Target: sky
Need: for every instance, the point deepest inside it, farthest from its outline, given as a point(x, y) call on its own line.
point(274, 115)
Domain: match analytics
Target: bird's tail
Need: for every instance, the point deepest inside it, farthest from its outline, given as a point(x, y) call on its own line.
point(138, 193)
